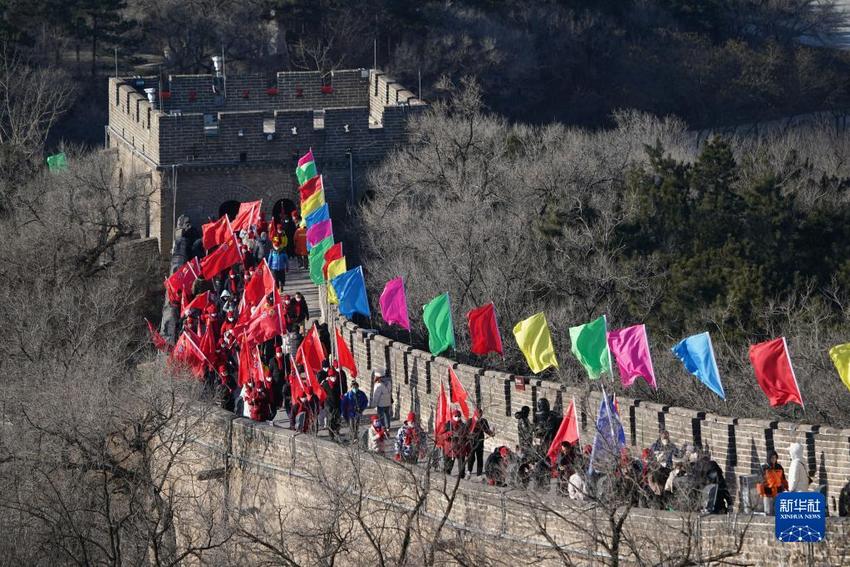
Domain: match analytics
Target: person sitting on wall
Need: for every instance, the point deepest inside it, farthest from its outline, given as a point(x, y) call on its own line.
point(497, 467)
point(663, 449)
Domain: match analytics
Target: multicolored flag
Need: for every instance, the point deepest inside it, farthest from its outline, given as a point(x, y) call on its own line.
point(321, 214)
point(316, 260)
point(535, 342)
point(306, 169)
point(774, 373)
point(590, 347)
point(437, 316)
point(310, 187)
point(630, 347)
point(697, 354)
point(351, 290)
point(394, 304)
point(312, 203)
point(335, 268)
point(484, 331)
point(319, 232)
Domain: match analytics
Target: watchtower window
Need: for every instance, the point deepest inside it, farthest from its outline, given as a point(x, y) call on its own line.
point(318, 119)
point(268, 125)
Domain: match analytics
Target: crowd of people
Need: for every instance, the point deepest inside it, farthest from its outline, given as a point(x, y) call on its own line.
point(664, 476)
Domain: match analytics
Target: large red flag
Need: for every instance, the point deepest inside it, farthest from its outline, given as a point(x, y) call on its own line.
point(774, 372)
point(441, 417)
point(459, 395)
point(568, 431)
point(208, 345)
point(312, 352)
point(296, 384)
point(333, 253)
point(214, 233)
point(309, 187)
point(182, 280)
point(158, 340)
point(187, 352)
point(200, 302)
point(249, 214)
point(483, 330)
point(265, 323)
point(261, 285)
point(222, 258)
point(246, 363)
point(313, 383)
point(344, 355)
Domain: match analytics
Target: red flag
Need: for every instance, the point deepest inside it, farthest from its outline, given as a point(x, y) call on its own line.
point(296, 384)
point(222, 258)
point(459, 395)
point(313, 383)
point(774, 372)
point(158, 340)
point(344, 355)
point(200, 302)
point(441, 417)
point(246, 363)
point(333, 253)
point(208, 346)
point(568, 431)
point(187, 352)
point(264, 324)
point(311, 353)
point(310, 186)
point(182, 280)
point(249, 214)
point(261, 285)
point(214, 233)
point(483, 330)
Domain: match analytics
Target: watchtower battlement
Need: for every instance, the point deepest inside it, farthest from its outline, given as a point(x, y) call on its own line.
point(238, 137)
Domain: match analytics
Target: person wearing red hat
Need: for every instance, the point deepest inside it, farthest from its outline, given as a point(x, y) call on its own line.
point(330, 384)
point(456, 434)
point(409, 441)
point(496, 467)
point(376, 435)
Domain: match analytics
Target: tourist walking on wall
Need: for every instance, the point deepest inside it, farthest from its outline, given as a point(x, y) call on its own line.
point(773, 481)
point(410, 441)
point(478, 428)
point(798, 474)
point(278, 260)
point(456, 448)
point(525, 432)
point(300, 239)
point(382, 400)
point(353, 403)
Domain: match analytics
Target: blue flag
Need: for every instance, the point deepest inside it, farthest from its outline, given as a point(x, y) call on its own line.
point(350, 289)
point(317, 216)
point(697, 354)
point(609, 440)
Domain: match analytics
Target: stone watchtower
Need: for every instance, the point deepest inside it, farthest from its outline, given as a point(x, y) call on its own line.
point(207, 142)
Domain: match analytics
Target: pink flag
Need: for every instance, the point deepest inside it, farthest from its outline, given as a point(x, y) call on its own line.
point(630, 348)
point(319, 232)
point(394, 303)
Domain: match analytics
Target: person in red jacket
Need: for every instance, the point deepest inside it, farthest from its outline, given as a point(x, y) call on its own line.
point(457, 444)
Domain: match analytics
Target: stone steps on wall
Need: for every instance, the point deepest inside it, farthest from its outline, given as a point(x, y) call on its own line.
point(298, 279)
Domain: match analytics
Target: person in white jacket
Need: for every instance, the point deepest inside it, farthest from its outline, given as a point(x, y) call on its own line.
point(798, 474)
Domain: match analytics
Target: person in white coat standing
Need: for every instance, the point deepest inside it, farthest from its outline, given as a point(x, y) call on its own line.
point(798, 474)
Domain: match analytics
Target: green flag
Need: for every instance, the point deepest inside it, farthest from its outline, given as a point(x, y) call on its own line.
point(590, 346)
point(57, 162)
point(437, 316)
point(317, 259)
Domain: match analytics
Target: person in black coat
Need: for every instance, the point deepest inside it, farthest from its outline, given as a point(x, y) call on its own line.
point(546, 423)
point(478, 428)
point(330, 384)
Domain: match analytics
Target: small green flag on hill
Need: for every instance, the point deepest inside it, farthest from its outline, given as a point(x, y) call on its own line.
point(57, 162)
point(590, 346)
point(437, 316)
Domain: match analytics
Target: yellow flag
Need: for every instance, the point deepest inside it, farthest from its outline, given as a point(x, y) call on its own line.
point(335, 268)
point(312, 203)
point(840, 356)
point(535, 342)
